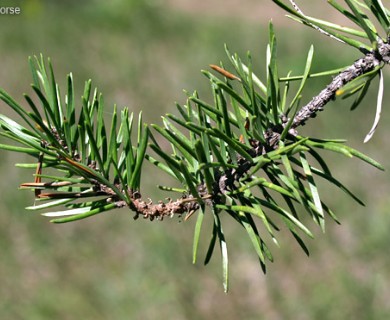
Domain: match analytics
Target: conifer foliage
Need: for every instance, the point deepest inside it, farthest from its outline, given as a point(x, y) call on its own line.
point(239, 155)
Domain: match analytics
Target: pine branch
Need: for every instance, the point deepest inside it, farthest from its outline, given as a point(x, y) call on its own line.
point(370, 62)
point(360, 67)
point(241, 154)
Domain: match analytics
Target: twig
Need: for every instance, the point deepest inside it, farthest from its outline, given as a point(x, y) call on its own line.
point(360, 67)
point(313, 25)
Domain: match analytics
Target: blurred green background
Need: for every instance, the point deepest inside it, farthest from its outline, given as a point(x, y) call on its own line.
point(142, 54)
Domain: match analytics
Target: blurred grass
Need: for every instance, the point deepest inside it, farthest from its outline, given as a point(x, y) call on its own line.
point(143, 54)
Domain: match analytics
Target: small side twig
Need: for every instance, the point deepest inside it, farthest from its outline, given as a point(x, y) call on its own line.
point(297, 9)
